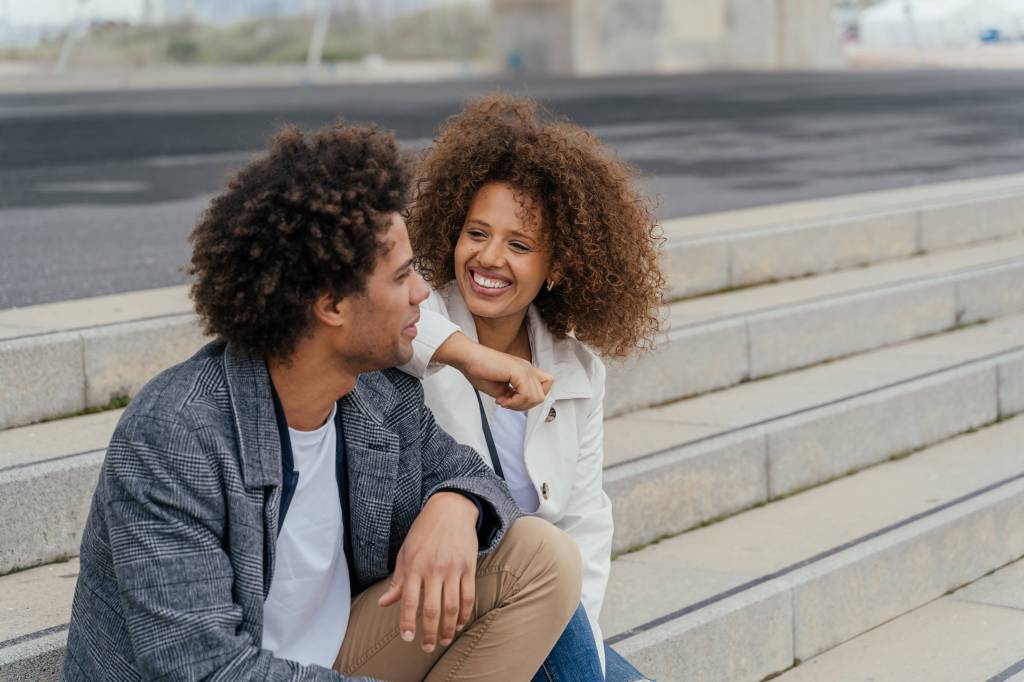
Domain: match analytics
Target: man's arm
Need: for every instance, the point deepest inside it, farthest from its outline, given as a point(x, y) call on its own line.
point(166, 521)
point(466, 511)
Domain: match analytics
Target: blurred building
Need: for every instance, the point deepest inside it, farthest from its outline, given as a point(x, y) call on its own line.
point(219, 12)
point(941, 23)
point(622, 36)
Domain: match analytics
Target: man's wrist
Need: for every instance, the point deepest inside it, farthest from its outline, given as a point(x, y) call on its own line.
point(461, 501)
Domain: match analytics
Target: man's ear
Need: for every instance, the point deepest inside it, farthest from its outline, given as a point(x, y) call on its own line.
point(332, 312)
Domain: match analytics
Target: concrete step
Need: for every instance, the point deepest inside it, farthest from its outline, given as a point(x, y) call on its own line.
point(733, 249)
point(760, 440)
point(712, 342)
point(972, 634)
point(748, 597)
point(35, 606)
point(722, 340)
point(667, 468)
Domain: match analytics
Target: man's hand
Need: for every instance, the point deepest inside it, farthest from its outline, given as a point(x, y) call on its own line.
point(514, 383)
point(438, 558)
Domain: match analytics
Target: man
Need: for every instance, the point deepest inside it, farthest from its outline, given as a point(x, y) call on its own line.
point(275, 507)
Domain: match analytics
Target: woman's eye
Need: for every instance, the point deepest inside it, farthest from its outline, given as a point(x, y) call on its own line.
point(476, 234)
point(521, 248)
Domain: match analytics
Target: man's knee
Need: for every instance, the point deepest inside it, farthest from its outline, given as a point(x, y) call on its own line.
point(552, 554)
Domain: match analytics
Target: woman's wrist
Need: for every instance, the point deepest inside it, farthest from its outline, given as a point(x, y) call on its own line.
point(456, 351)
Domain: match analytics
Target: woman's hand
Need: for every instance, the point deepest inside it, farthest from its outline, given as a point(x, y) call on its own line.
point(514, 383)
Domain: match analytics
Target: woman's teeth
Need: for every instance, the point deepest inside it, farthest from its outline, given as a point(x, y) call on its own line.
point(490, 283)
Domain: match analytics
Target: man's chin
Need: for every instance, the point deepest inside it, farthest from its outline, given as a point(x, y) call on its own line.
point(404, 352)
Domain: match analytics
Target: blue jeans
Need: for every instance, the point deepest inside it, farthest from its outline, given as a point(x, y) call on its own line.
point(574, 658)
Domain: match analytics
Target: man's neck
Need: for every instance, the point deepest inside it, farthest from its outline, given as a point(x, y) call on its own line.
point(308, 385)
point(505, 334)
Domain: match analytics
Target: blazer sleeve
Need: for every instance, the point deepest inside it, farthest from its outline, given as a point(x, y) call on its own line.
point(166, 523)
point(588, 514)
point(433, 329)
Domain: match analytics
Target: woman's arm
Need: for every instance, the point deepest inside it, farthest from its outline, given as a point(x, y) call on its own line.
point(513, 382)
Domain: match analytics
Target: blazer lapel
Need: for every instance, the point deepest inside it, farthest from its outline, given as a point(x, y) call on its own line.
point(259, 444)
point(372, 453)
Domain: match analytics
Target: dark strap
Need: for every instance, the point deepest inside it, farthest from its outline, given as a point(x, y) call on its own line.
point(495, 462)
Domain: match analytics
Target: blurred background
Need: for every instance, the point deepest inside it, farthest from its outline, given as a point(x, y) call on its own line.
point(120, 118)
point(536, 36)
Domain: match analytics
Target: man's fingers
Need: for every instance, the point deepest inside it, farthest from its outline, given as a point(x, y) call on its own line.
point(467, 599)
point(410, 604)
point(394, 591)
point(431, 613)
point(450, 610)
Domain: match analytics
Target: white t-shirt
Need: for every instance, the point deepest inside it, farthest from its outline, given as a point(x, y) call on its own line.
point(306, 613)
point(508, 428)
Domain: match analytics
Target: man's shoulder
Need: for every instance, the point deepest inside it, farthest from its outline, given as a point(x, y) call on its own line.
point(392, 383)
point(183, 395)
point(391, 396)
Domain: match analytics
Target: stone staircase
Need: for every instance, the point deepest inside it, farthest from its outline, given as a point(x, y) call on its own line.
point(827, 442)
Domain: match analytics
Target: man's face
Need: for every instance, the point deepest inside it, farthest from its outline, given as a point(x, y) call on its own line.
point(383, 318)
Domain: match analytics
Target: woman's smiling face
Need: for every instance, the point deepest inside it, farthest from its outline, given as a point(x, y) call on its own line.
point(501, 258)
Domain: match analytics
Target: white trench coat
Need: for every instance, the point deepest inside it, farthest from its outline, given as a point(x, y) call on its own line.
point(563, 446)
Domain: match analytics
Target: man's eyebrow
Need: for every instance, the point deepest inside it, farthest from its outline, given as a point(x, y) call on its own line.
point(403, 267)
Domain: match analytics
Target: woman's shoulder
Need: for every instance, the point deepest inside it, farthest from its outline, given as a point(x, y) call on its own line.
point(570, 351)
point(592, 362)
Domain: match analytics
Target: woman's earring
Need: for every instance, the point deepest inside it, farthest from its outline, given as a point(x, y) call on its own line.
point(551, 284)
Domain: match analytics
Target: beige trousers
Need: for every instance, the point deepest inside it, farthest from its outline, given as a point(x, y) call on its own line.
point(526, 591)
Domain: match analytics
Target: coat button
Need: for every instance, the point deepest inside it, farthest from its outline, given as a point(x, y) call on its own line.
point(551, 415)
point(544, 489)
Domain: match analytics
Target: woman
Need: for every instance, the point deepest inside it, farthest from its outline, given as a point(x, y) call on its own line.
point(538, 247)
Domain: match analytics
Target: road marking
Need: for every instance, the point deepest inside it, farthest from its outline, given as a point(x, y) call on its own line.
point(93, 187)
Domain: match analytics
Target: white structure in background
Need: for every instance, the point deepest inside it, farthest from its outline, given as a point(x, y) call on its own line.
point(623, 36)
point(939, 23)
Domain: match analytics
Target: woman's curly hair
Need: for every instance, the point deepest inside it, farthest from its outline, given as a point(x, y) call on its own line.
point(306, 219)
point(602, 232)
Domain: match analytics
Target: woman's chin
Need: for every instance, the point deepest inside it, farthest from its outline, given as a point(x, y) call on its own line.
point(486, 309)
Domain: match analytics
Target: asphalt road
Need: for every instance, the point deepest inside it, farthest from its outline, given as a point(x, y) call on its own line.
point(99, 190)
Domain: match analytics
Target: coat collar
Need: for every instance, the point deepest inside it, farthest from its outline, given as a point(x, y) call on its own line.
point(558, 357)
point(252, 406)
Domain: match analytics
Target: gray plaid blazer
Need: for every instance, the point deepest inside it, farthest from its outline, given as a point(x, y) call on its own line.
point(178, 552)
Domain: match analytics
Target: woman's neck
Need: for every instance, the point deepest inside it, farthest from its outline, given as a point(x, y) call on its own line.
point(505, 334)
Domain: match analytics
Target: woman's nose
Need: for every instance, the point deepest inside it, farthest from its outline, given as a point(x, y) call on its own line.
point(490, 256)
